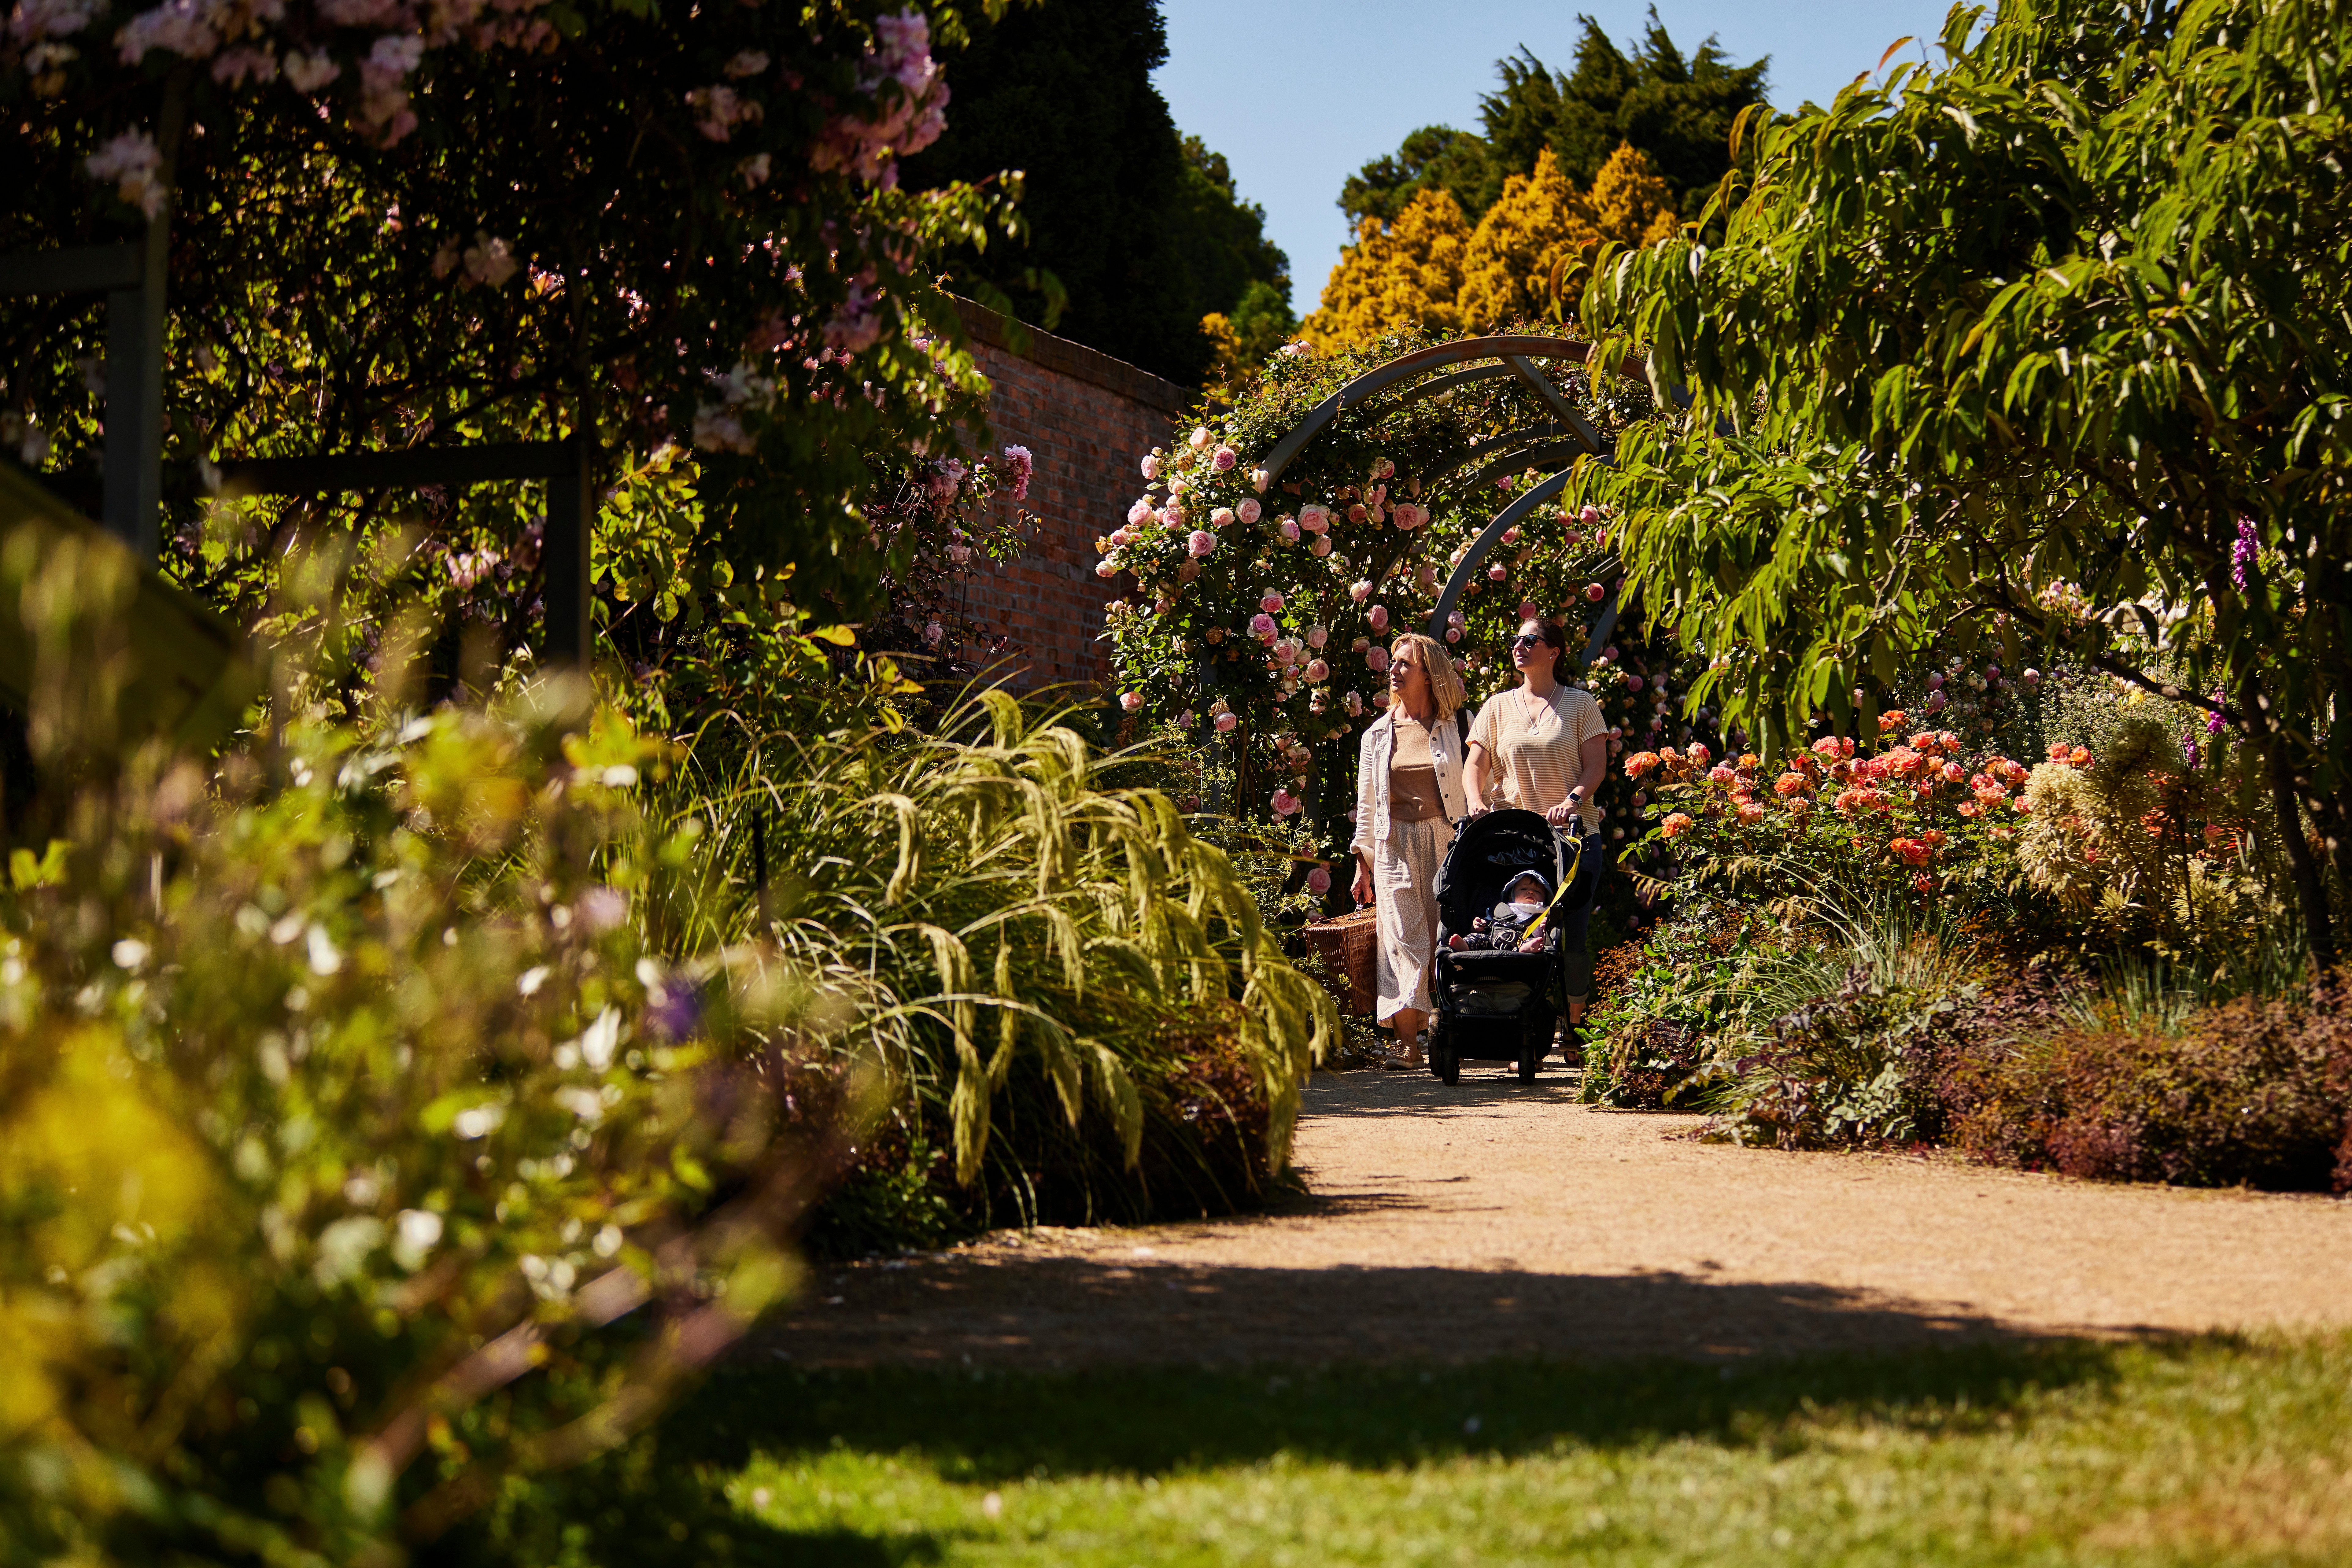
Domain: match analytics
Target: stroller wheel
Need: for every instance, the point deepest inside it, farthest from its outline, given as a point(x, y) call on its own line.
point(1529, 1061)
point(1446, 1064)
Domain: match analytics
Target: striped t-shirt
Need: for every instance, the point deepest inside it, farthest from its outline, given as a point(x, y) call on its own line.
point(1537, 757)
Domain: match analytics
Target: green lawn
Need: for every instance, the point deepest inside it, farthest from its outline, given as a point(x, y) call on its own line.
point(2213, 1451)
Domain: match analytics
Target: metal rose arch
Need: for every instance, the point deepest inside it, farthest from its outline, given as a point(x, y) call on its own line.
point(1553, 446)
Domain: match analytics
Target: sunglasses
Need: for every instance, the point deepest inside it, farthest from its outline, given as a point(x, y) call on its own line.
point(1526, 639)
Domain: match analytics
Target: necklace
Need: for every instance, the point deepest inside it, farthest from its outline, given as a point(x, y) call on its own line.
point(1531, 707)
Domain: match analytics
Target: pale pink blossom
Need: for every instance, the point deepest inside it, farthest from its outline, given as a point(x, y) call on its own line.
point(1322, 545)
point(1221, 518)
point(1378, 657)
point(1380, 617)
point(308, 72)
point(1250, 511)
point(1140, 511)
point(245, 63)
point(1381, 698)
point(1225, 723)
point(1590, 515)
point(1594, 592)
point(1289, 531)
point(130, 161)
point(1261, 628)
point(1361, 591)
point(1199, 438)
point(1284, 803)
point(1151, 467)
point(1497, 573)
point(1224, 458)
point(1316, 635)
point(1354, 703)
point(1023, 463)
point(1202, 542)
point(1318, 880)
point(1131, 701)
point(1270, 601)
point(1314, 519)
point(1316, 670)
point(1528, 611)
point(1259, 479)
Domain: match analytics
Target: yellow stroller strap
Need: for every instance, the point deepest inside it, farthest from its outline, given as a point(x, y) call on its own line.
point(1565, 884)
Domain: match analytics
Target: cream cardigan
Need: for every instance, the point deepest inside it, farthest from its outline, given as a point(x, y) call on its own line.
point(1372, 757)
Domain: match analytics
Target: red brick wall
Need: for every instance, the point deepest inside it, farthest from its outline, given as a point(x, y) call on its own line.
point(1088, 419)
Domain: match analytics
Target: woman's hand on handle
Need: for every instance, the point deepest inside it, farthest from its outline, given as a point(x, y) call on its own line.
point(1364, 888)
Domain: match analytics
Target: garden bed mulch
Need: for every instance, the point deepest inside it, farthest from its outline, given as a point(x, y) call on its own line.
point(1493, 1219)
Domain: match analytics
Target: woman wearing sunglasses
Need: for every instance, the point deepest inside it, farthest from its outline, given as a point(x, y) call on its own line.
point(1543, 746)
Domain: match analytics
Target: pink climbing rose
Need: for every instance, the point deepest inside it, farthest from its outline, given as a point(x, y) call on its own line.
point(1202, 542)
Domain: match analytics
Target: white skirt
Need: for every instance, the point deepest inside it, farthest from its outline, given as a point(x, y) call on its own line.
point(1404, 882)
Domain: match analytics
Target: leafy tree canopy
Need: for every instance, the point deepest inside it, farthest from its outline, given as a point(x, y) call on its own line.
point(1135, 232)
point(1677, 109)
point(2106, 413)
point(1432, 270)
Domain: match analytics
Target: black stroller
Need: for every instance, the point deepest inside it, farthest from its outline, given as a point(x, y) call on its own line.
point(1501, 1005)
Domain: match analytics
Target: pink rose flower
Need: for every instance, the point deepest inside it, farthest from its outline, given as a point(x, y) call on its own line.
point(1527, 611)
point(1356, 513)
point(1590, 514)
point(1594, 592)
point(1261, 628)
point(1378, 657)
point(1270, 601)
point(1250, 511)
point(1314, 519)
point(1199, 438)
point(1316, 670)
point(1497, 574)
point(1453, 634)
point(1284, 803)
point(1202, 542)
point(1380, 617)
point(1224, 458)
point(1381, 698)
point(1361, 591)
point(1632, 683)
point(1259, 479)
point(1131, 701)
point(1151, 467)
point(1316, 635)
point(1354, 703)
point(1221, 518)
point(1140, 511)
point(1321, 547)
point(1511, 535)
point(1225, 723)
point(1289, 531)
point(1318, 880)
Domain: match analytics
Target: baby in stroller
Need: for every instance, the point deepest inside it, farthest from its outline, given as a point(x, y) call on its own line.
point(1515, 922)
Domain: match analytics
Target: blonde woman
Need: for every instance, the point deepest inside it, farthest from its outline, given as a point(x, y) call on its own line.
point(1409, 795)
point(1543, 746)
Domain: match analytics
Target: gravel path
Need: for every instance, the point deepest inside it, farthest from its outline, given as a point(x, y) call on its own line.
point(1495, 1218)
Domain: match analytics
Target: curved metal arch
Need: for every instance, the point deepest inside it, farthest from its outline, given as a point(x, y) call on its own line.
point(1517, 353)
point(1514, 356)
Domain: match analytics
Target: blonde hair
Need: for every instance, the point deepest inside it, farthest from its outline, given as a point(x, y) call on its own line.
point(1445, 686)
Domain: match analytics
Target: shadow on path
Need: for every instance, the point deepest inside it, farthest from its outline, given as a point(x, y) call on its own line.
point(1013, 1310)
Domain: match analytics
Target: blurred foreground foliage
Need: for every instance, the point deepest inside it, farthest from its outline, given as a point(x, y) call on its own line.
point(405, 1103)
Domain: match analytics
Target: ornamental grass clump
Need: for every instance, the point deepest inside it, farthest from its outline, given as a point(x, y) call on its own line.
point(1073, 1009)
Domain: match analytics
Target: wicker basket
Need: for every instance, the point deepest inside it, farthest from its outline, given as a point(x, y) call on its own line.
point(1348, 945)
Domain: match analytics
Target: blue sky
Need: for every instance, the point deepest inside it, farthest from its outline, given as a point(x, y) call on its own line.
point(1300, 93)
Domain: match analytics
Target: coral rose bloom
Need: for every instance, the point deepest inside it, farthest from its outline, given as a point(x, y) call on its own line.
point(1791, 783)
point(1750, 812)
point(1640, 763)
point(1675, 825)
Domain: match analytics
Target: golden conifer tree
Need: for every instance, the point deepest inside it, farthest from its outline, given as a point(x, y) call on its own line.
point(1630, 204)
point(1406, 275)
point(1540, 221)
